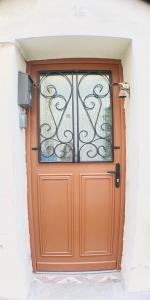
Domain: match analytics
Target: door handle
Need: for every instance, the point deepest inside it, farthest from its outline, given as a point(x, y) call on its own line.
point(117, 175)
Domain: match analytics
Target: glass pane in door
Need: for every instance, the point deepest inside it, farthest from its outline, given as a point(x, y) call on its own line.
point(75, 117)
point(95, 135)
point(56, 118)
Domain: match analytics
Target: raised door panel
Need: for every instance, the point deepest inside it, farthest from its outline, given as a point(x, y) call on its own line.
point(96, 214)
point(55, 215)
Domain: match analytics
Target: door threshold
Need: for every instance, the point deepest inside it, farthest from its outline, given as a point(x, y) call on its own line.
point(77, 272)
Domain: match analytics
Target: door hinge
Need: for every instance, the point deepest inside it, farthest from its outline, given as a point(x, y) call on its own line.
point(116, 147)
point(35, 148)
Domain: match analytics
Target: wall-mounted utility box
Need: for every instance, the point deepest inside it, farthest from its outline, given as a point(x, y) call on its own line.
point(25, 84)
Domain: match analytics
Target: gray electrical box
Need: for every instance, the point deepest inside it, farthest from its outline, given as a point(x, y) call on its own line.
point(25, 84)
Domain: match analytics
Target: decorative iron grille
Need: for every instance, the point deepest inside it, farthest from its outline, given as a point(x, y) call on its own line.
point(75, 121)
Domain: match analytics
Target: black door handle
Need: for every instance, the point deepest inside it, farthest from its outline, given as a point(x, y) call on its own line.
point(117, 175)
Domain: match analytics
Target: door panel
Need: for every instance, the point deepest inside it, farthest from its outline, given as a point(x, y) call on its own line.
point(55, 214)
point(75, 210)
point(96, 215)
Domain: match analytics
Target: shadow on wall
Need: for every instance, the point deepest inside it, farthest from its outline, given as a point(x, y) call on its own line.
point(147, 1)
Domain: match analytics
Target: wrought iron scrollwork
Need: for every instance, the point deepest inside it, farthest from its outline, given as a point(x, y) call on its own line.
point(95, 143)
point(87, 136)
point(56, 140)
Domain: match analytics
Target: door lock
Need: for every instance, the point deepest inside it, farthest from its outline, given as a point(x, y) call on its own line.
point(117, 175)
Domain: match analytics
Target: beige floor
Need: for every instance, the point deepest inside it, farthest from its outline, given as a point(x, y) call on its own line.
point(82, 286)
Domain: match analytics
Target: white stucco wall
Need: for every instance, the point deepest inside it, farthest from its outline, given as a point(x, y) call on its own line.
point(15, 262)
point(67, 28)
point(136, 259)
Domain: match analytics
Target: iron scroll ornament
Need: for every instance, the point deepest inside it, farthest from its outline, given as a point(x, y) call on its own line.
point(74, 141)
point(54, 139)
point(100, 137)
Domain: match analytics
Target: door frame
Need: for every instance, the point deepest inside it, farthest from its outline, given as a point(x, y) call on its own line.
point(32, 65)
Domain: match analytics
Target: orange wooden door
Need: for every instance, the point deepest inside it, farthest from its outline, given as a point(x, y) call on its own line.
point(76, 211)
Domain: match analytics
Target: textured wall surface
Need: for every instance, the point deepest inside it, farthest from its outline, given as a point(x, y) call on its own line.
point(15, 262)
point(38, 29)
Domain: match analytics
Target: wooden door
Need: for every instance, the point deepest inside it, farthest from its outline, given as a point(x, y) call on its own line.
point(75, 138)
